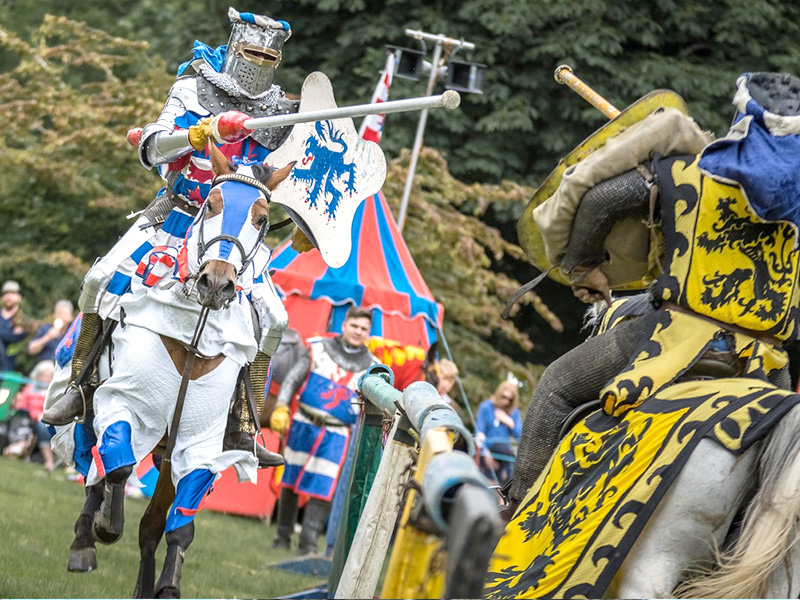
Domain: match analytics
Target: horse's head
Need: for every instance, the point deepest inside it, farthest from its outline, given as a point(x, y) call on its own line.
point(225, 244)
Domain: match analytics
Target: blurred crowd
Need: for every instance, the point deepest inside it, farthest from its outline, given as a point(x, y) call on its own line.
point(27, 364)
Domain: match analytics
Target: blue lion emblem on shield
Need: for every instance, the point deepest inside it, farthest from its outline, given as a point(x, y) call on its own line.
point(327, 170)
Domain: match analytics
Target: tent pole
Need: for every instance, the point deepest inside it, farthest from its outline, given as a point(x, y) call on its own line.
point(440, 331)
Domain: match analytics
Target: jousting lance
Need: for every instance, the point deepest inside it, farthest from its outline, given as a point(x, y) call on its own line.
point(450, 100)
point(565, 76)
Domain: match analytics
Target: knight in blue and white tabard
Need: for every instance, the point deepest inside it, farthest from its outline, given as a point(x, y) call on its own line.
point(326, 378)
point(213, 94)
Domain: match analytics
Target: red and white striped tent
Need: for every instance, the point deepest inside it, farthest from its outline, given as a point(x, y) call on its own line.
point(380, 275)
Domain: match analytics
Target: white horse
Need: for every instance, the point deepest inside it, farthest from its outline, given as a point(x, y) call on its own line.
point(211, 274)
point(693, 522)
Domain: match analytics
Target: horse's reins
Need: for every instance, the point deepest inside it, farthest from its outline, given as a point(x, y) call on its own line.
point(191, 353)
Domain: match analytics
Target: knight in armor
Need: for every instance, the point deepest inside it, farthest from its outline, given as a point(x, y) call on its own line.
point(728, 293)
point(327, 379)
point(214, 94)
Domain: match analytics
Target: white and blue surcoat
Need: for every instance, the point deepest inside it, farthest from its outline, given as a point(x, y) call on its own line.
point(320, 430)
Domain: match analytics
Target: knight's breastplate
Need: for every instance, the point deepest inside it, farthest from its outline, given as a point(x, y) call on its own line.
point(330, 389)
point(721, 259)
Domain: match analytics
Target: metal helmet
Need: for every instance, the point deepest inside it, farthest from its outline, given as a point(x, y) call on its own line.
point(254, 51)
point(777, 93)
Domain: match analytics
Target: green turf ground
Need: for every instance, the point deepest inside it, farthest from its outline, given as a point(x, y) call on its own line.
point(228, 558)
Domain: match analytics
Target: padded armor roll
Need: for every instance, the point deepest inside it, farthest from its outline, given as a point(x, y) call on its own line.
point(626, 195)
point(572, 380)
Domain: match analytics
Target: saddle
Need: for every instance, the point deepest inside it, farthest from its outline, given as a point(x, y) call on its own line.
point(713, 364)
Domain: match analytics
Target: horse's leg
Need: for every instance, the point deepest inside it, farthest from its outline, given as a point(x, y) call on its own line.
point(109, 520)
point(151, 528)
point(82, 553)
point(693, 516)
point(178, 540)
point(116, 453)
point(191, 490)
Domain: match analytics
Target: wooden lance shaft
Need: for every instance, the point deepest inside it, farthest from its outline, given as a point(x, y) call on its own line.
point(565, 76)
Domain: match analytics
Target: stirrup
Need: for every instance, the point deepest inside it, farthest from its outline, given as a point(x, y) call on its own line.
point(82, 418)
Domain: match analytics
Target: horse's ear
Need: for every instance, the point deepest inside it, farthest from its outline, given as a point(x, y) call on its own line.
point(219, 164)
point(279, 175)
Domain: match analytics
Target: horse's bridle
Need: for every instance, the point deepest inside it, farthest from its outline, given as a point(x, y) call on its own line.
point(247, 257)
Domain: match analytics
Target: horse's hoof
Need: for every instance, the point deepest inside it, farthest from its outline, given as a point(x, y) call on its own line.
point(82, 561)
point(104, 535)
point(168, 592)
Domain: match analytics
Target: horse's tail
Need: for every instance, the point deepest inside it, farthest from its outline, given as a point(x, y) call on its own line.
point(768, 531)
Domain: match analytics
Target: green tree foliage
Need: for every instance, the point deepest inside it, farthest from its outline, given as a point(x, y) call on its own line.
point(69, 176)
point(517, 130)
point(524, 122)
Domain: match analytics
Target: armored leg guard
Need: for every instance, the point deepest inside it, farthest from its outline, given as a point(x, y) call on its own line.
point(287, 516)
point(241, 426)
point(572, 380)
point(314, 519)
point(91, 325)
point(77, 400)
point(259, 369)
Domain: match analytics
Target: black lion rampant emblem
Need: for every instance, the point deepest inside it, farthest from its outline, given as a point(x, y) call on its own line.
point(769, 271)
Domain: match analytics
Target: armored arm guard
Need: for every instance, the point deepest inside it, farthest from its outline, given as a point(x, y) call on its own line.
point(161, 142)
point(272, 316)
point(626, 195)
point(294, 379)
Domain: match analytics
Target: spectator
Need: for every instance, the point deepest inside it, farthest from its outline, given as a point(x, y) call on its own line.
point(46, 338)
point(498, 424)
point(29, 405)
point(11, 323)
point(447, 372)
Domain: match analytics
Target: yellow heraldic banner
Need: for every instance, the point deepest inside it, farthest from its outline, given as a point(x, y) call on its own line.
point(725, 261)
point(578, 522)
point(674, 341)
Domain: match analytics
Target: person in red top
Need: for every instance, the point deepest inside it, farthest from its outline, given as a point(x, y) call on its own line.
point(30, 400)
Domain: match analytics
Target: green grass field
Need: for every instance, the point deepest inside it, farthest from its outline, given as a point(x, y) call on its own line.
point(229, 558)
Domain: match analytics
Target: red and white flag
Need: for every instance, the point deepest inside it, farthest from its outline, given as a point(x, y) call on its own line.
point(372, 126)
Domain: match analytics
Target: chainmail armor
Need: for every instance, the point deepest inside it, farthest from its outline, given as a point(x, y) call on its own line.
point(158, 210)
point(574, 379)
point(294, 378)
point(349, 358)
point(217, 93)
point(623, 196)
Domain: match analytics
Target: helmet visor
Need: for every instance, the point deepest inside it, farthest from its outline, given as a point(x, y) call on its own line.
point(262, 56)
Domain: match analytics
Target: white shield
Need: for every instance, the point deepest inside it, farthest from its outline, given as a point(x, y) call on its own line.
point(335, 171)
